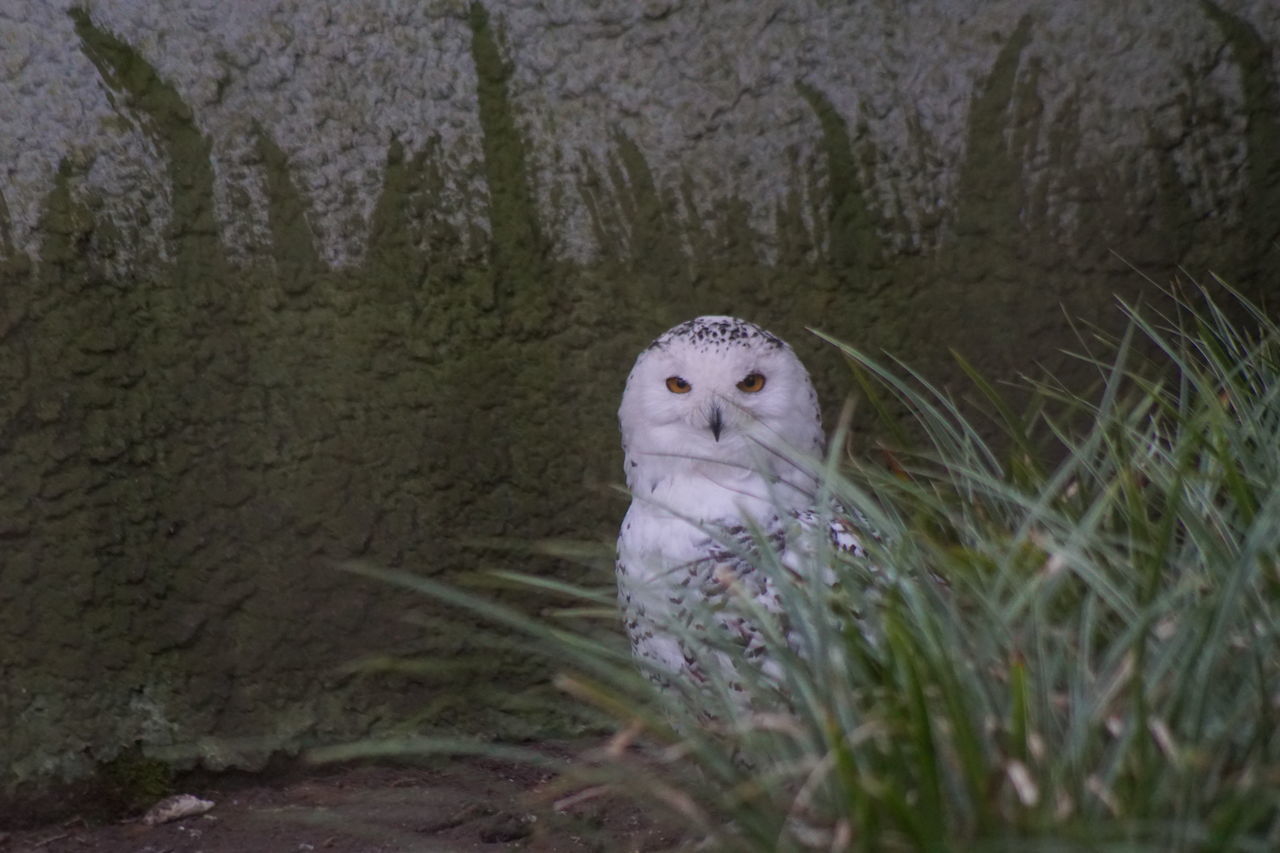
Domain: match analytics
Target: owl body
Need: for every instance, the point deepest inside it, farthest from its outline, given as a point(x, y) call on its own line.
point(719, 419)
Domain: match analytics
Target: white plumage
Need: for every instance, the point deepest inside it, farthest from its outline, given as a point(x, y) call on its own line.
point(716, 414)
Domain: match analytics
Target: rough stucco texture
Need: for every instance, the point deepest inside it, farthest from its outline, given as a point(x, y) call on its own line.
point(287, 283)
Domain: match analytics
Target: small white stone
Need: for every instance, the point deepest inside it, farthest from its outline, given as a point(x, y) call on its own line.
point(175, 807)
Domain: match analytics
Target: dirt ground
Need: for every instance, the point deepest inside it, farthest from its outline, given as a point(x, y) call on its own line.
point(473, 804)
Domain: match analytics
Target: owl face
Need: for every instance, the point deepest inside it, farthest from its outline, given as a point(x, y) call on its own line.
point(716, 390)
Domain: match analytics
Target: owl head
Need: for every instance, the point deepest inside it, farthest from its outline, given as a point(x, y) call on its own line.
point(718, 392)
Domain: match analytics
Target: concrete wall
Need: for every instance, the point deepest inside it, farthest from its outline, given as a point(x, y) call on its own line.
point(283, 283)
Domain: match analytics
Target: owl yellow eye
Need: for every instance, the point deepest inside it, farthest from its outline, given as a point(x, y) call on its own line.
point(751, 383)
point(676, 385)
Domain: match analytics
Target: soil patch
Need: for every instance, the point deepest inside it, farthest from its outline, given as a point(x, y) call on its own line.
point(461, 804)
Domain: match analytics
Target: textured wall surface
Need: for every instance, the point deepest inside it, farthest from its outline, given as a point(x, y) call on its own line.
point(283, 283)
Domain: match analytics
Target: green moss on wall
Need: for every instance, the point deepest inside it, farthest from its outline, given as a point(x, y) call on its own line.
point(1261, 211)
point(7, 250)
point(853, 238)
point(170, 124)
point(523, 290)
point(132, 782)
point(298, 266)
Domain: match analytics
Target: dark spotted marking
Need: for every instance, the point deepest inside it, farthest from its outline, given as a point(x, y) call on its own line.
point(717, 333)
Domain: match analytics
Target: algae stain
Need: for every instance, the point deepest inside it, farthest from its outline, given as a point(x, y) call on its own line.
point(653, 235)
point(168, 120)
point(651, 222)
point(795, 243)
point(6, 231)
point(640, 233)
point(298, 265)
point(1261, 209)
point(65, 225)
point(1027, 115)
point(391, 256)
point(977, 276)
point(415, 255)
point(605, 229)
point(989, 185)
point(518, 252)
point(1174, 217)
point(852, 228)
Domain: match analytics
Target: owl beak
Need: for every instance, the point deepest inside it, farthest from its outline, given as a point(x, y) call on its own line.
point(715, 421)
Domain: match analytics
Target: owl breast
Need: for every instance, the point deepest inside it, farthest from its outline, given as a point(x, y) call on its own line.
point(675, 553)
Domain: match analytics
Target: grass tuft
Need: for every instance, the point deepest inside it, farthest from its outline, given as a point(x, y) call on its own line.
point(1064, 638)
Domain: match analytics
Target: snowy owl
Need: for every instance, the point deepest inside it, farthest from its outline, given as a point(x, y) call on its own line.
point(716, 415)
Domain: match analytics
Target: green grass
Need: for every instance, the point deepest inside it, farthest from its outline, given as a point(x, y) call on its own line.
point(1099, 668)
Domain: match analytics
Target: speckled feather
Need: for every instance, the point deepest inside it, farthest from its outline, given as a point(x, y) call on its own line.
point(706, 466)
point(709, 586)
